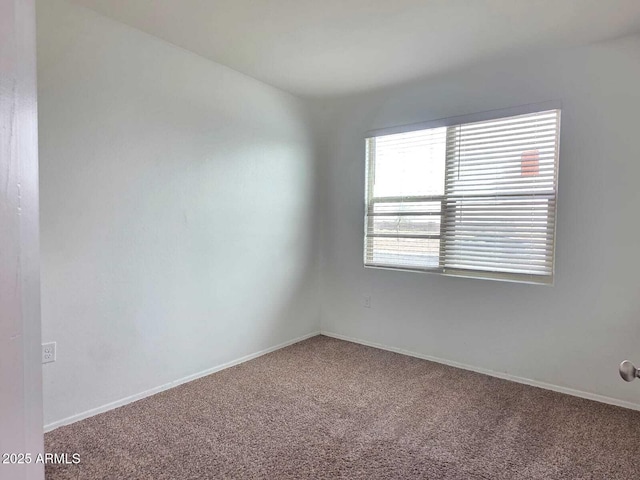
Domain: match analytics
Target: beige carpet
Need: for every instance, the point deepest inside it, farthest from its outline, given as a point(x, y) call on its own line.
point(325, 409)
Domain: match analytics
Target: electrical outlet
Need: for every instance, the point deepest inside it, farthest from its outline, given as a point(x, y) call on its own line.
point(366, 301)
point(49, 352)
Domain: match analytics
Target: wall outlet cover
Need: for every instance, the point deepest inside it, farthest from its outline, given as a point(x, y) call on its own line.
point(366, 301)
point(49, 352)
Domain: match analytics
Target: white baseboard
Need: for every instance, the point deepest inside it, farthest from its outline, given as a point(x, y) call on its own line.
point(504, 376)
point(167, 386)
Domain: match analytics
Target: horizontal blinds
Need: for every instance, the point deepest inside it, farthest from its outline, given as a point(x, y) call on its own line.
point(475, 199)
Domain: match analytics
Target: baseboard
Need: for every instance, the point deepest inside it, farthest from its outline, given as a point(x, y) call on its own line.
point(167, 386)
point(504, 376)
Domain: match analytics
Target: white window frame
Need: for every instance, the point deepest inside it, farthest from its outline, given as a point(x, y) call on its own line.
point(450, 122)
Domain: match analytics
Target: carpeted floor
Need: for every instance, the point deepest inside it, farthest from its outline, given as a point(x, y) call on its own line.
point(325, 409)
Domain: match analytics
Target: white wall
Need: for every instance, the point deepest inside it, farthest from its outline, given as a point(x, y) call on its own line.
point(572, 335)
point(20, 372)
point(177, 199)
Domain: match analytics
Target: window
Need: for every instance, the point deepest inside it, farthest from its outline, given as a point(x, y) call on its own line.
point(473, 198)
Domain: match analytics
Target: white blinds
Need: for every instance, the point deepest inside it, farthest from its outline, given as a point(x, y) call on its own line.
point(470, 199)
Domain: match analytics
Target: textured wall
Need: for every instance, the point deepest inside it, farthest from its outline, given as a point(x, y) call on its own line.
point(177, 201)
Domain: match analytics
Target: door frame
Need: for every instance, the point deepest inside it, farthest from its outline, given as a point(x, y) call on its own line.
point(21, 419)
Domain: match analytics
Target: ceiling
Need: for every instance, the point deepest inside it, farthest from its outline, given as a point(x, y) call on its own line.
point(333, 47)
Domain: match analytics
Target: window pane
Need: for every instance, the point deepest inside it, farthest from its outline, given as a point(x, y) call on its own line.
point(507, 235)
point(409, 164)
point(404, 252)
point(505, 156)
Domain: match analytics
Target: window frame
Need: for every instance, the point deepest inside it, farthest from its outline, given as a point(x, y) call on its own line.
point(451, 122)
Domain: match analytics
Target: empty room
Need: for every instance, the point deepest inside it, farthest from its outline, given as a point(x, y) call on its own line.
point(278, 239)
